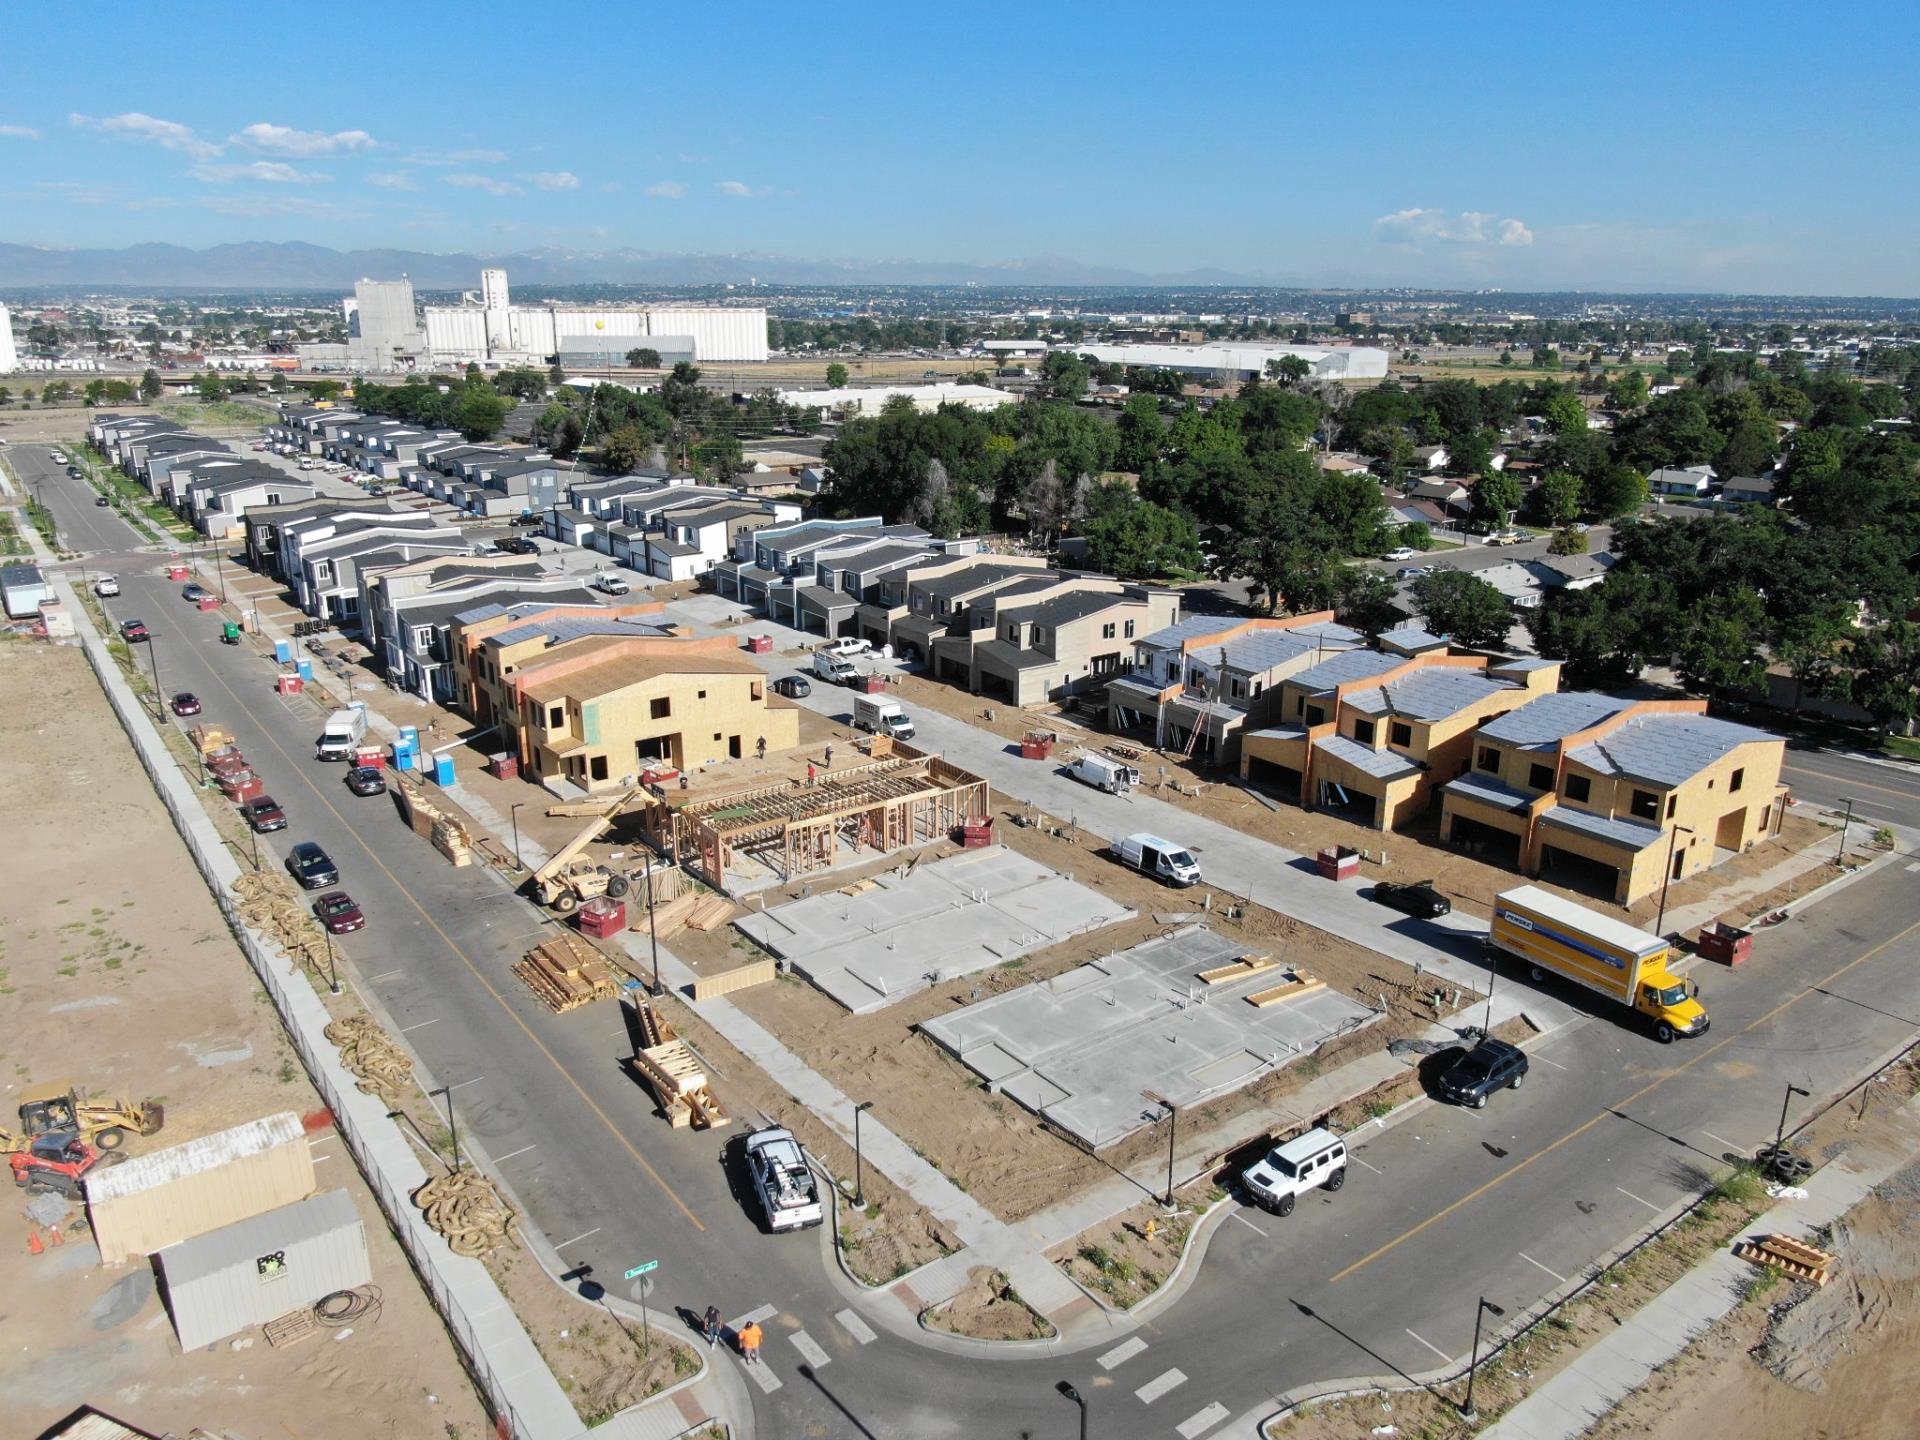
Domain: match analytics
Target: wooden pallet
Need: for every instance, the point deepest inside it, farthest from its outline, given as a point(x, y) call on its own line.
point(566, 973)
point(673, 1073)
point(1801, 1261)
point(1125, 752)
point(1299, 983)
point(291, 1328)
point(1239, 970)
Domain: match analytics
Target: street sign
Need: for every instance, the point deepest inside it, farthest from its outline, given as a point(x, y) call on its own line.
point(640, 1270)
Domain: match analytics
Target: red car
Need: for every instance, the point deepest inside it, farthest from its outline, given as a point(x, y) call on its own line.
point(338, 913)
point(131, 630)
point(263, 813)
point(186, 703)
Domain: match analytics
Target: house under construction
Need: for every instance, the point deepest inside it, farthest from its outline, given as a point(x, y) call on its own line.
point(792, 829)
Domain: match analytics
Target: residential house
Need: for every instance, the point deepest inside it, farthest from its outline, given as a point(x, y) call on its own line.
point(1687, 481)
point(600, 711)
point(1597, 792)
point(489, 642)
point(264, 524)
point(1526, 583)
point(324, 557)
point(1197, 685)
point(219, 503)
point(1371, 735)
point(770, 559)
point(1749, 490)
point(1431, 458)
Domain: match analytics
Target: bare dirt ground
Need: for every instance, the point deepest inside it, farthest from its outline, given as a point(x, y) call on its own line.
point(117, 971)
point(1414, 853)
point(1829, 1364)
point(1129, 1257)
point(989, 1308)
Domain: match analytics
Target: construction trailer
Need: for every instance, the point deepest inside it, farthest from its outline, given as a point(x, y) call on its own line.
point(906, 799)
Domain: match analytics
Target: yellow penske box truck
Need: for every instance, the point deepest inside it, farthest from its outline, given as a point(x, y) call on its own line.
point(1606, 956)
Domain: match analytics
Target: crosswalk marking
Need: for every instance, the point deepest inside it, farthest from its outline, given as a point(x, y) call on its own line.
point(1155, 1388)
point(1199, 1423)
point(810, 1349)
point(765, 1312)
point(1122, 1353)
point(763, 1377)
point(855, 1326)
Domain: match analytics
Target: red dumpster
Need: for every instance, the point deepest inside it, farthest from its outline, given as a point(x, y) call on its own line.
point(289, 684)
point(759, 644)
point(504, 766)
point(1726, 943)
point(176, 572)
point(871, 684)
point(1338, 862)
point(226, 762)
point(977, 834)
point(370, 757)
point(603, 917)
point(209, 602)
point(243, 788)
point(1037, 745)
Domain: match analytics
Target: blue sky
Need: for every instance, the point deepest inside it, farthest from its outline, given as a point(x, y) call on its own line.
point(1675, 146)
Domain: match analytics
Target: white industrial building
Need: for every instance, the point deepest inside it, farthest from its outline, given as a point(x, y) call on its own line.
point(1241, 362)
point(9, 357)
point(871, 400)
point(489, 327)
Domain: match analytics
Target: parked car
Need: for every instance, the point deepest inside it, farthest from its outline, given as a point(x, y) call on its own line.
point(195, 593)
point(1489, 1066)
point(1316, 1160)
point(1419, 899)
point(312, 866)
point(1506, 537)
point(59, 457)
point(186, 703)
point(783, 1183)
point(106, 586)
point(528, 519)
point(101, 502)
point(516, 545)
point(367, 780)
point(846, 645)
point(1414, 572)
point(793, 687)
point(1400, 552)
point(263, 813)
point(337, 911)
point(134, 630)
point(74, 472)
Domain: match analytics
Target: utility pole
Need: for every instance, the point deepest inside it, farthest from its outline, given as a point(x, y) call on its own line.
point(1672, 839)
point(1845, 825)
point(859, 1169)
point(1473, 1364)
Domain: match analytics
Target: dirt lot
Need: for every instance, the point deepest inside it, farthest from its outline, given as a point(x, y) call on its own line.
point(117, 971)
point(1131, 1256)
point(997, 1151)
point(1414, 853)
point(1829, 1363)
point(989, 1308)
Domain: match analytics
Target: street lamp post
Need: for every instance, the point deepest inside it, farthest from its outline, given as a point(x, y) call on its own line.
point(1065, 1387)
point(653, 933)
point(453, 1135)
point(1673, 839)
point(1493, 978)
point(1173, 1130)
point(1846, 824)
point(1485, 1307)
point(515, 812)
point(153, 663)
point(1780, 1130)
point(859, 1169)
point(333, 970)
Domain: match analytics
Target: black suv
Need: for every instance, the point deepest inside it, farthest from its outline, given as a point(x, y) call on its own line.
point(311, 866)
point(1491, 1065)
point(1419, 899)
point(516, 545)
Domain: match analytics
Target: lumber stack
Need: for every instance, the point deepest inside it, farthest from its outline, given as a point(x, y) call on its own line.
point(673, 1073)
point(1298, 982)
point(1800, 1260)
point(669, 916)
point(709, 913)
point(1237, 970)
point(566, 973)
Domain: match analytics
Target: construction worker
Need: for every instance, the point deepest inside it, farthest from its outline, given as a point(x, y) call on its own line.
point(711, 1326)
point(750, 1336)
point(829, 755)
point(760, 747)
point(812, 772)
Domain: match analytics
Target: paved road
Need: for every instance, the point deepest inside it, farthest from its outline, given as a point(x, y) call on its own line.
point(1883, 792)
point(1447, 1205)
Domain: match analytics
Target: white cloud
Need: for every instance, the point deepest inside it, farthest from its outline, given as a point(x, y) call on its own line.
point(483, 182)
point(166, 133)
point(555, 180)
point(284, 140)
point(392, 182)
point(611, 187)
point(1469, 227)
point(455, 157)
point(270, 172)
point(734, 187)
point(667, 190)
point(18, 132)
point(258, 207)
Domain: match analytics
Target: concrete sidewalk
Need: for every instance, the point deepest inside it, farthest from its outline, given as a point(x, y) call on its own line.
point(1570, 1403)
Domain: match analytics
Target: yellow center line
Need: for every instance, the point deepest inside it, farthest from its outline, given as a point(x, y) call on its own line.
point(478, 975)
point(1608, 1113)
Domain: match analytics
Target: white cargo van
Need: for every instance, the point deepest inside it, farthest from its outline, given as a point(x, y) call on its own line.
point(834, 668)
point(1162, 859)
point(1103, 772)
point(344, 730)
point(881, 717)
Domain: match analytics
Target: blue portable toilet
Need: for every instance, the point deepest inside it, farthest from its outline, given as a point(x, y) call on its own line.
point(283, 651)
point(305, 667)
point(443, 769)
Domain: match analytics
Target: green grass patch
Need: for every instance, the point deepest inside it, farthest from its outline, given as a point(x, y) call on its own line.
point(1906, 747)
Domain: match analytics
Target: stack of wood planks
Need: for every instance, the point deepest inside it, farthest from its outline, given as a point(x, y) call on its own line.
point(567, 972)
point(674, 1074)
point(1800, 1260)
point(1298, 982)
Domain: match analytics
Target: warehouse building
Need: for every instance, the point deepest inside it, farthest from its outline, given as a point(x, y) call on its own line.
point(1241, 362)
point(850, 401)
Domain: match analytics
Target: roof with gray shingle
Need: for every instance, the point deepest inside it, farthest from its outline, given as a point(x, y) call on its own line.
point(1350, 665)
point(560, 629)
point(1488, 791)
point(1411, 637)
point(1665, 749)
point(1193, 627)
point(1630, 833)
point(1552, 718)
point(1429, 694)
point(1381, 764)
point(1259, 651)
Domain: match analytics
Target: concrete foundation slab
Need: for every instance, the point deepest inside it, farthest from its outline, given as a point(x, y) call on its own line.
point(1086, 1047)
point(907, 931)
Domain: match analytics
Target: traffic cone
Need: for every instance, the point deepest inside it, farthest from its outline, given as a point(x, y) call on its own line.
point(54, 1236)
point(34, 1246)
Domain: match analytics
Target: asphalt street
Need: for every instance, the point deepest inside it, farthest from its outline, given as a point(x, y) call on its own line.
point(1447, 1205)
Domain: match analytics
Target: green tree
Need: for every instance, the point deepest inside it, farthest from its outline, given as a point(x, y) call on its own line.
point(719, 457)
point(1627, 391)
point(643, 357)
point(1416, 535)
point(556, 375)
point(1618, 490)
point(479, 413)
point(1565, 415)
point(1143, 541)
point(5, 395)
point(210, 388)
point(1365, 600)
point(1140, 434)
point(1887, 670)
point(624, 450)
point(1495, 499)
point(1063, 376)
point(1719, 649)
point(1470, 454)
point(1567, 541)
point(1559, 497)
point(836, 376)
point(1812, 645)
point(150, 385)
point(1465, 608)
point(1288, 369)
point(559, 429)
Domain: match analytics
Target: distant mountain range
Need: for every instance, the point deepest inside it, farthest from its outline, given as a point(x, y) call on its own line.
point(263, 265)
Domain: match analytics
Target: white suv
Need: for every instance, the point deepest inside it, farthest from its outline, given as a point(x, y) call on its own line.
point(1315, 1160)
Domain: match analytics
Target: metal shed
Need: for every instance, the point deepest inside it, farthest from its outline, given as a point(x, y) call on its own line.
point(247, 1274)
point(23, 590)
